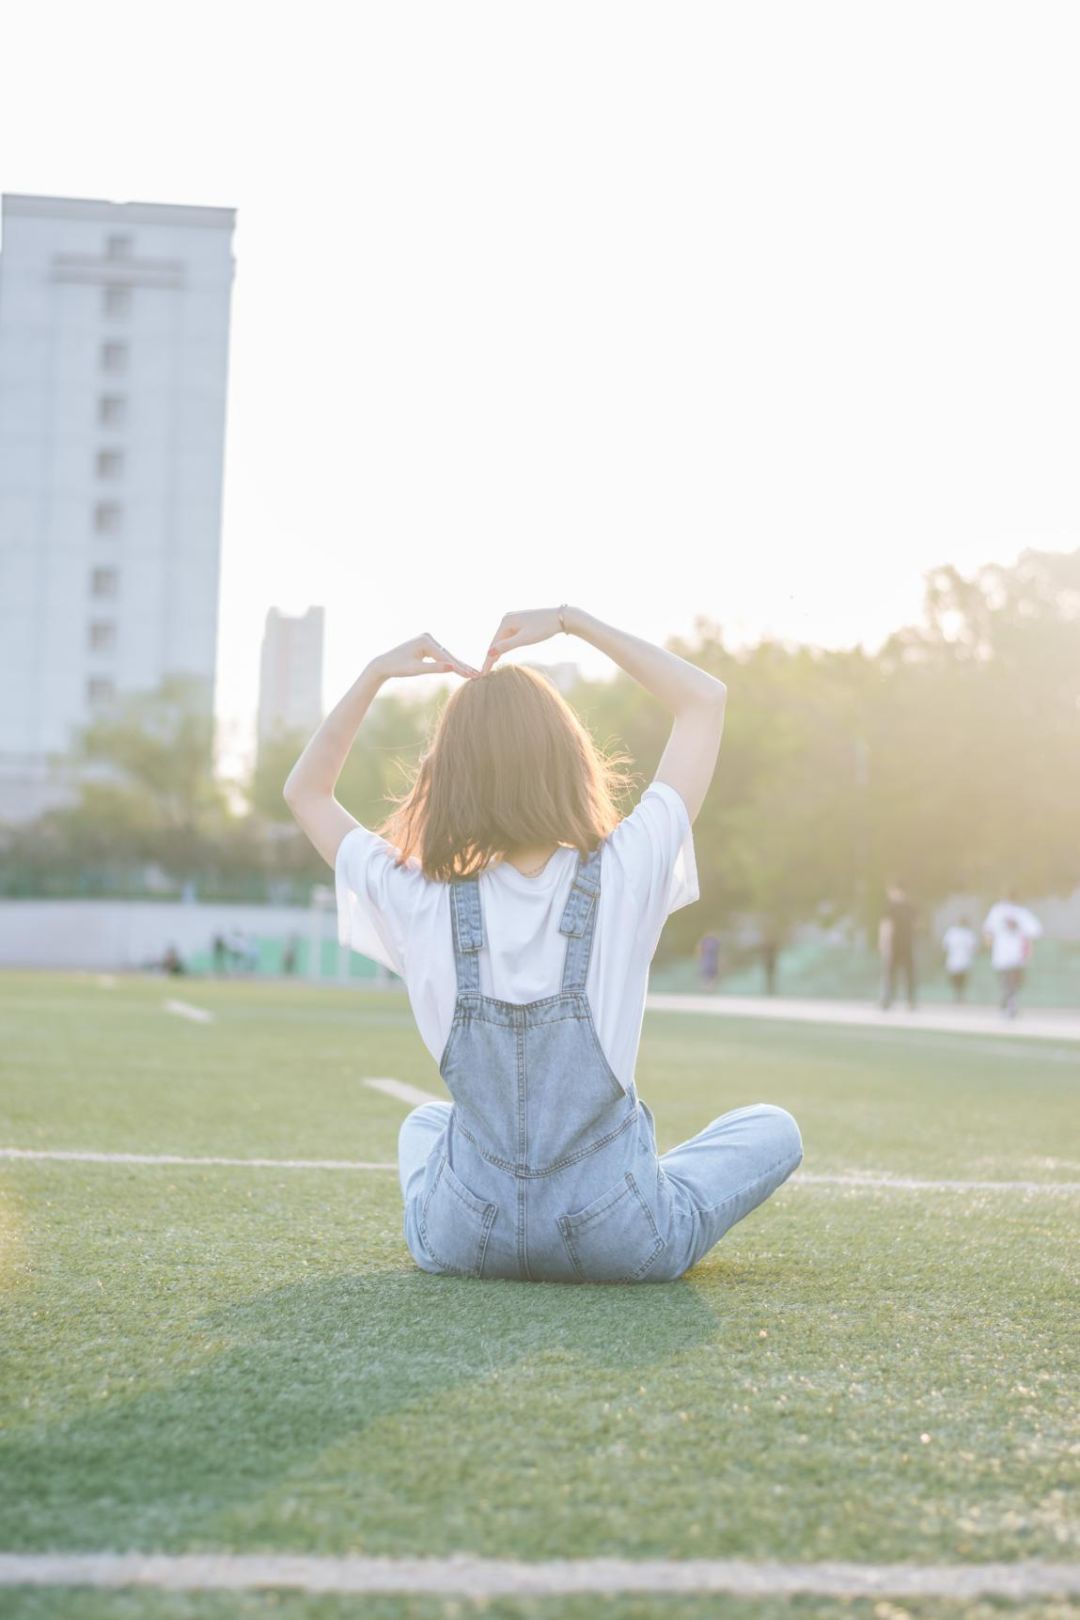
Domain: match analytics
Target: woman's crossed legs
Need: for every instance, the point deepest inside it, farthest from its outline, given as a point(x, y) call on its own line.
point(724, 1172)
point(720, 1175)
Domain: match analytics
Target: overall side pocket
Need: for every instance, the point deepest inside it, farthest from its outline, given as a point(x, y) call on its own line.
point(454, 1224)
point(615, 1238)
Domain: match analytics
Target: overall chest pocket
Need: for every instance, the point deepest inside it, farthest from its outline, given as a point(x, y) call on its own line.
point(613, 1239)
point(454, 1224)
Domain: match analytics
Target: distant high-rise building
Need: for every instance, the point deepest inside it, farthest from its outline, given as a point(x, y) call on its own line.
point(563, 676)
point(290, 677)
point(114, 329)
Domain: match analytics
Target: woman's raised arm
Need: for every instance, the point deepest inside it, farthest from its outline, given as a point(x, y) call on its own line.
point(309, 787)
point(695, 698)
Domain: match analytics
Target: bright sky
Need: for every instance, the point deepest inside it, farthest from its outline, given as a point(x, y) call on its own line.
point(750, 310)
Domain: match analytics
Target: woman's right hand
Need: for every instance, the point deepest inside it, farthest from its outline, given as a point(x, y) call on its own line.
point(523, 629)
point(423, 655)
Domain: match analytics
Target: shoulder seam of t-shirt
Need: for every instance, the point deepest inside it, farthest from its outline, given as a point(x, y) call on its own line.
point(378, 845)
point(666, 790)
point(339, 858)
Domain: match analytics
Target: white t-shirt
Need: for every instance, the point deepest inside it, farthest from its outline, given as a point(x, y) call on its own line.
point(398, 917)
point(960, 946)
point(1011, 928)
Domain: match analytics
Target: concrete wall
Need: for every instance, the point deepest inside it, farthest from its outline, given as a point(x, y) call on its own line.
point(110, 935)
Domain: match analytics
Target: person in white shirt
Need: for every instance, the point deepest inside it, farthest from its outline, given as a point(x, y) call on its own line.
point(1010, 930)
point(960, 943)
point(522, 913)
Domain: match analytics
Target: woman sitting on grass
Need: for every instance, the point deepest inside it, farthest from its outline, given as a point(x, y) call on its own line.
point(522, 914)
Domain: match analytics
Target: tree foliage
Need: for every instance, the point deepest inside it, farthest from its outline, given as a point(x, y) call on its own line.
point(950, 760)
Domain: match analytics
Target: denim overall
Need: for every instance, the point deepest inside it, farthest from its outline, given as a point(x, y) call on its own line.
point(547, 1168)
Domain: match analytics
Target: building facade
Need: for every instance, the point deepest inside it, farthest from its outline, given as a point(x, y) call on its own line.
point(563, 676)
point(114, 329)
point(291, 674)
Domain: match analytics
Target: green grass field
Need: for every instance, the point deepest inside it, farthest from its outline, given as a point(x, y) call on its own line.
point(214, 1358)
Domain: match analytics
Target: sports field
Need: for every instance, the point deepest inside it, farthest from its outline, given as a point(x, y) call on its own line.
point(220, 1358)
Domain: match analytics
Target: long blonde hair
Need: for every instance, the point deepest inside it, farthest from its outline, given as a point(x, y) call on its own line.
point(510, 766)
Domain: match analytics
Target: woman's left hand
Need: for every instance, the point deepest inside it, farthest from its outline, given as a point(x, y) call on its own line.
point(423, 655)
point(522, 630)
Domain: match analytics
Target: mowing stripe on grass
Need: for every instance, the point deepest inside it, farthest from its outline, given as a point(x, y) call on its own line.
point(853, 1181)
point(75, 1157)
point(495, 1577)
point(184, 1009)
point(404, 1092)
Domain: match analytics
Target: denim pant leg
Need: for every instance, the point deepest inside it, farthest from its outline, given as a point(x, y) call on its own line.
point(417, 1137)
point(727, 1170)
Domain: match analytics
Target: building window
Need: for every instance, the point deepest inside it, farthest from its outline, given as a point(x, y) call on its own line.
point(112, 410)
point(118, 247)
point(114, 358)
point(102, 635)
point(104, 583)
point(99, 690)
point(108, 517)
point(117, 301)
point(110, 463)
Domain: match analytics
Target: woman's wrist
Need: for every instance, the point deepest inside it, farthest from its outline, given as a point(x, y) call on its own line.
point(373, 673)
point(571, 620)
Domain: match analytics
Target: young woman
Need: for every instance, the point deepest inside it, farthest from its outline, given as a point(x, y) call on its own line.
point(523, 915)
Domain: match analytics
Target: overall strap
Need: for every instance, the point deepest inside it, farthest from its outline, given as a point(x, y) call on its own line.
point(579, 920)
point(468, 925)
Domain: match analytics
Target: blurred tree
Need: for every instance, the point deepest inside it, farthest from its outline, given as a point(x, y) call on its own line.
point(147, 785)
point(977, 747)
point(775, 840)
point(387, 749)
point(950, 759)
point(274, 759)
point(378, 768)
point(386, 753)
point(147, 795)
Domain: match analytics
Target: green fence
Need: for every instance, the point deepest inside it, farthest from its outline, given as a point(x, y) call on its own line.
point(271, 961)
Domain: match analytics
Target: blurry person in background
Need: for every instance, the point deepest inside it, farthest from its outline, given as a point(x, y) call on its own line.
point(1010, 930)
point(237, 947)
point(218, 949)
point(289, 955)
point(960, 943)
point(770, 955)
point(171, 962)
point(896, 942)
point(708, 953)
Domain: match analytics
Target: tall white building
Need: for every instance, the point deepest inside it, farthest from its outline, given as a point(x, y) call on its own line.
point(291, 674)
point(114, 328)
point(563, 676)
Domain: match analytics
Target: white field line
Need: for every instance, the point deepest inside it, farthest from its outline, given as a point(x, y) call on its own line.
point(493, 1577)
point(851, 1178)
point(403, 1092)
point(854, 1180)
point(184, 1009)
point(73, 1156)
